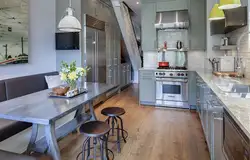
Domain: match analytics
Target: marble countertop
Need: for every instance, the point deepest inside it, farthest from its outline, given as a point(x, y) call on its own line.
point(238, 108)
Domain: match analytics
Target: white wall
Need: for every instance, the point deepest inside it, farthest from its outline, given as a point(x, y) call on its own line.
point(67, 55)
point(42, 54)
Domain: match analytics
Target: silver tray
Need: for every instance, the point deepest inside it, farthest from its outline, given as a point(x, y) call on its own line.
point(70, 94)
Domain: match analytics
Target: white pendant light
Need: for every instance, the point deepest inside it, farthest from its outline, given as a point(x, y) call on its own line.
point(69, 23)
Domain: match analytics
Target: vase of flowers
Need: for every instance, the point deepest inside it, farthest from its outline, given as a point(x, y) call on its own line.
point(70, 74)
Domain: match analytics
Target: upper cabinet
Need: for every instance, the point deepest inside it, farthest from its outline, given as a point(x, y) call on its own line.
point(171, 5)
point(148, 28)
point(197, 28)
point(197, 17)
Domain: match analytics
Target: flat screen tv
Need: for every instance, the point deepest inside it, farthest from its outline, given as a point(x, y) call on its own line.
point(67, 41)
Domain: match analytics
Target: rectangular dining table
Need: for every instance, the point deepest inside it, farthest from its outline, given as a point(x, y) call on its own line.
point(41, 110)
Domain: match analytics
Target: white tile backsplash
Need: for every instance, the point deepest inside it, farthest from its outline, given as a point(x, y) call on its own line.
point(196, 60)
point(171, 36)
point(244, 47)
point(150, 59)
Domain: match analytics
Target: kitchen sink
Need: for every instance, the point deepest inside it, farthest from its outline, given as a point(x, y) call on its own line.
point(233, 88)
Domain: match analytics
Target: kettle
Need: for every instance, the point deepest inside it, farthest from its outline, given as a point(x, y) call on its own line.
point(179, 45)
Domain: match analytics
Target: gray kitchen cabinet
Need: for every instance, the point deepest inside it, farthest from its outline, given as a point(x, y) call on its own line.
point(172, 5)
point(235, 142)
point(197, 29)
point(123, 75)
point(128, 74)
point(210, 110)
point(90, 8)
point(147, 87)
point(192, 89)
point(113, 53)
point(148, 28)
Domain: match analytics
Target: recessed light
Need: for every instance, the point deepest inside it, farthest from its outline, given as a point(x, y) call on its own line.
point(137, 2)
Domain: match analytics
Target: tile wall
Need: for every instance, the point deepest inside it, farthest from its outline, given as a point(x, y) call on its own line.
point(244, 47)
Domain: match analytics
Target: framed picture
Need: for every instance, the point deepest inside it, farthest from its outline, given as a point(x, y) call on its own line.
point(14, 28)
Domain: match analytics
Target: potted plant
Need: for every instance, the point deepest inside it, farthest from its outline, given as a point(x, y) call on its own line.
point(70, 74)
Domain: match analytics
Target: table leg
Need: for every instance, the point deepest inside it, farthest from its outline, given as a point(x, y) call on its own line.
point(92, 112)
point(32, 138)
point(78, 112)
point(52, 142)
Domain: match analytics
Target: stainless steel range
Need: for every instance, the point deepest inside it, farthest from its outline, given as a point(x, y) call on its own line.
point(172, 88)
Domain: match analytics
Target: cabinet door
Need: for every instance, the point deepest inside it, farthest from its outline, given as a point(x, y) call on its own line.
point(171, 5)
point(123, 75)
point(147, 87)
point(128, 74)
point(148, 28)
point(116, 75)
point(197, 29)
point(235, 145)
point(217, 136)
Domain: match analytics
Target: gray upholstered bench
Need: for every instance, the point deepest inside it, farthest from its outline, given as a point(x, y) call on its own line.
point(17, 87)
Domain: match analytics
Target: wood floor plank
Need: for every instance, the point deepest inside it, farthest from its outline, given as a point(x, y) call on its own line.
point(154, 134)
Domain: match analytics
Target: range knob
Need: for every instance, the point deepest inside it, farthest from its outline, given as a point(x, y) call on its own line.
point(164, 74)
point(182, 74)
point(186, 74)
point(171, 74)
point(156, 73)
point(178, 74)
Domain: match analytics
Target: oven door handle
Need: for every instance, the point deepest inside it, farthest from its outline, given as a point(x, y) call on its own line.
point(164, 80)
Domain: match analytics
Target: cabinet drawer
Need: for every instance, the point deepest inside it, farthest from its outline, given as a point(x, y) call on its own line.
point(147, 73)
point(235, 142)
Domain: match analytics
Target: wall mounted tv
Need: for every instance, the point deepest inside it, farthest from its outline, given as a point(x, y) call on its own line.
point(67, 41)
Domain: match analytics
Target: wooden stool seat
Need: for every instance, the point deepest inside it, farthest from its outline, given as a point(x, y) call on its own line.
point(94, 128)
point(113, 111)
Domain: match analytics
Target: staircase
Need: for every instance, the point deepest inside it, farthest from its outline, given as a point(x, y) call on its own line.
point(125, 23)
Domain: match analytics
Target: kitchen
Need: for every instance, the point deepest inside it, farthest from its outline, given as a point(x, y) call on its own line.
point(189, 62)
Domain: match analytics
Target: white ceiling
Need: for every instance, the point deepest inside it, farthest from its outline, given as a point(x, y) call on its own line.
point(14, 15)
point(135, 7)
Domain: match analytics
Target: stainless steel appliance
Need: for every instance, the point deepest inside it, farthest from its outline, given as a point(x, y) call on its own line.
point(172, 88)
point(95, 49)
point(94, 40)
point(172, 20)
point(234, 19)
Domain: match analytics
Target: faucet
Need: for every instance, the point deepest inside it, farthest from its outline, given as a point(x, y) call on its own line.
point(238, 59)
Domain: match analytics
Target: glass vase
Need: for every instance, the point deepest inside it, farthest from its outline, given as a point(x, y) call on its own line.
point(72, 85)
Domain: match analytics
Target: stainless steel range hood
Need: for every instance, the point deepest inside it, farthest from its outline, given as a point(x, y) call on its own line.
point(172, 20)
point(234, 19)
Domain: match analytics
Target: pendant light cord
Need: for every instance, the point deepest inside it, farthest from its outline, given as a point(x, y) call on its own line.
point(70, 3)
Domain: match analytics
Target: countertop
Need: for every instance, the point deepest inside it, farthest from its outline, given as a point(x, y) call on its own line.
point(238, 108)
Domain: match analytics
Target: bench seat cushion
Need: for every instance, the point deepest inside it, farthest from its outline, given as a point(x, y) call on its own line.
point(9, 128)
point(4, 155)
point(21, 86)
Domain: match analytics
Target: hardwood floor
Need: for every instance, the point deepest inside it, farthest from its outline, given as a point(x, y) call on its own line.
point(154, 134)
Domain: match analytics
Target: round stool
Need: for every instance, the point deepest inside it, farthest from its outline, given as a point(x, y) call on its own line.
point(99, 131)
point(114, 114)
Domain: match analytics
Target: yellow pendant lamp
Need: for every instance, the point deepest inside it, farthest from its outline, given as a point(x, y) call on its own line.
point(229, 4)
point(216, 13)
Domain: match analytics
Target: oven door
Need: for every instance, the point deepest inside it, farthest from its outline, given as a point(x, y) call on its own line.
point(172, 90)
